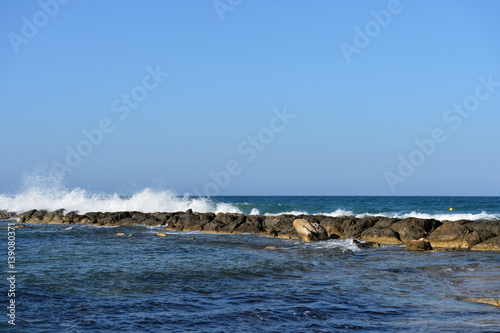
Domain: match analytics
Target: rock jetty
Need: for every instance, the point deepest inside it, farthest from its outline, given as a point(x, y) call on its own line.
point(417, 234)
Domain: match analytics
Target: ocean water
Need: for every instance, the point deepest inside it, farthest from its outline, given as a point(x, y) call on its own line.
point(86, 279)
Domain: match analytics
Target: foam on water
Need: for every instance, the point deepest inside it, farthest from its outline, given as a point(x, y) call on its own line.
point(48, 193)
point(440, 217)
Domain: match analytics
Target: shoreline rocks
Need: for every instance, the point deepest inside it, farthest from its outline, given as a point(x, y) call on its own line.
point(416, 234)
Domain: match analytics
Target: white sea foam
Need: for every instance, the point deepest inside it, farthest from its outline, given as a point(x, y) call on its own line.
point(293, 212)
point(48, 193)
point(340, 212)
point(255, 211)
point(440, 217)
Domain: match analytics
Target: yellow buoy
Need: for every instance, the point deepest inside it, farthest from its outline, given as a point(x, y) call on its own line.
point(451, 209)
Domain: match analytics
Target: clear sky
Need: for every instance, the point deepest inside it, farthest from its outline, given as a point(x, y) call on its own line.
point(261, 97)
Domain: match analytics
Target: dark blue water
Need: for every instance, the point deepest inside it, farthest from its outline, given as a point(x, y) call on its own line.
point(424, 207)
point(87, 279)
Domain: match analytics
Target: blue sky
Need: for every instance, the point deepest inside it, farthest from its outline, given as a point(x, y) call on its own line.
point(232, 67)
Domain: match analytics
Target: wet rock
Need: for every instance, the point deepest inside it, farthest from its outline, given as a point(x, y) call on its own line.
point(492, 244)
point(252, 225)
point(353, 227)
point(237, 220)
point(419, 245)
point(281, 226)
point(333, 226)
point(191, 222)
point(32, 216)
point(381, 235)
point(428, 225)
point(408, 233)
point(488, 301)
point(450, 235)
point(4, 215)
point(161, 234)
point(308, 231)
point(120, 234)
point(366, 244)
point(476, 237)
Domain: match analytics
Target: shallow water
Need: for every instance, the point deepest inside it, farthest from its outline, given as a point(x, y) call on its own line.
point(88, 279)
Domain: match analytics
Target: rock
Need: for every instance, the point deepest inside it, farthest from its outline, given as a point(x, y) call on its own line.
point(419, 245)
point(282, 226)
point(308, 231)
point(353, 227)
point(333, 226)
point(492, 244)
point(19, 226)
point(449, 235)
point(235, 221)
point(161, 234)
point(253, 225)
point(381, 235)
point(121, 234)
point(427, 225)
point(4, 215)
point(192, 238)
point(272, 247)
point(366, 244)
point(488, 301)
point(476, 237)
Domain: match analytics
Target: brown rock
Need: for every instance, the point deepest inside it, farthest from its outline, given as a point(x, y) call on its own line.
point(492, 244)
point(161, 234)
point(476, 237)
point(449, 235)
point(353, 227)
point(333, 226)
point(308, 231)
point(381, 235)
point(419, 245)
point(281, 226)
point(121, 234)
point(488, 301)
point(366, 244)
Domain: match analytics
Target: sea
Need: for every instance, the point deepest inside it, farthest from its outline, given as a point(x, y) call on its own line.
point(83, 278)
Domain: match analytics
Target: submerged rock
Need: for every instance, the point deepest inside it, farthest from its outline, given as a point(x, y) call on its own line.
point(488, 301)
point(419, 245)
point(308, 231)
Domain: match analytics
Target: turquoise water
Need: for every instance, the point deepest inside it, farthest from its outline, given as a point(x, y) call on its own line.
point(87, 279)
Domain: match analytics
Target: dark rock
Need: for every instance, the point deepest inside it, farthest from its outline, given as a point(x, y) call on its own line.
point(450, 235)
point(353, 227)
point(492, 244)
point(4, 215)
point(279, 226)
point(333, 226)
point(233, 225)
point(419, 245)
point(476, 237)
point(252, 225)
point(428, 225)
point(366, 244)
point(381, 235)
point(407, 233)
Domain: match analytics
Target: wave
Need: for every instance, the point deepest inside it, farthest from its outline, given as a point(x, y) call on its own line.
point(48, 193)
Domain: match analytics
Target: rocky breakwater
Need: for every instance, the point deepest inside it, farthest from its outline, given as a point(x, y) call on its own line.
point(416, 234)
